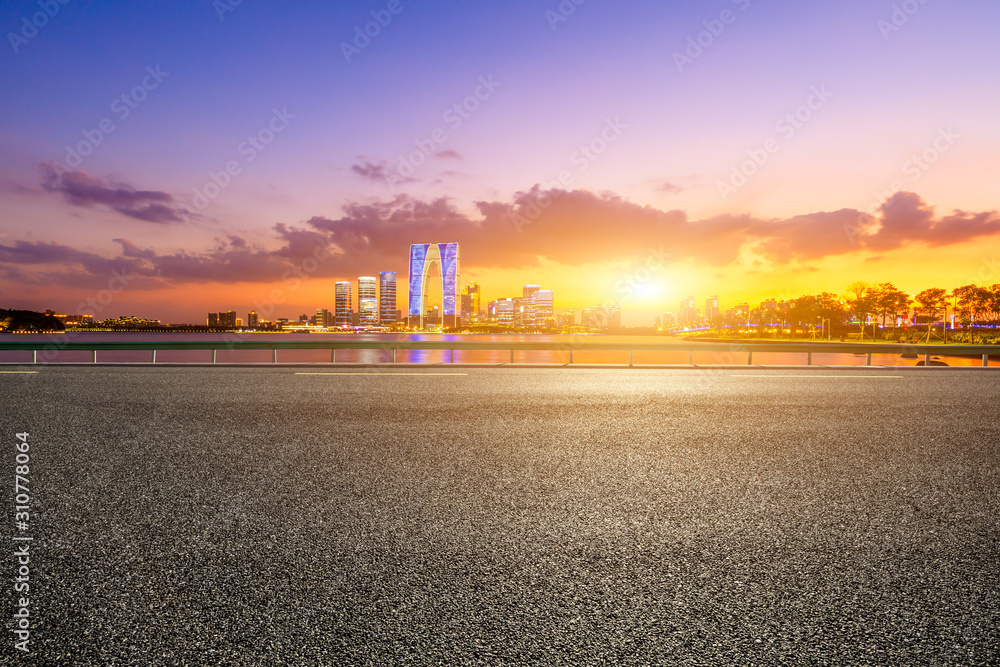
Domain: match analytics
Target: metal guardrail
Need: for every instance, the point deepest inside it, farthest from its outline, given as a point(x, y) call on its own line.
point(729, 350)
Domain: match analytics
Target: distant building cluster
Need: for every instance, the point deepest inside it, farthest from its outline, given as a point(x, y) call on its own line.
point(433, 269)
point(688, 314)
point(533, 310)
point(376, 300)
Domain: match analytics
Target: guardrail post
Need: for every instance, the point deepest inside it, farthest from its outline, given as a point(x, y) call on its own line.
point(571, 356)
point(868, 359)
point(809, 358)
point(452, 360)
point(630, 358)
point(152, 356)
point(34, 357)
point(393, 355)
point(333, 356)
point(93, 356)
point(512, 356)
point(749, 357)
point(690, 357)
point(927, 360)
point(213, 354)
point(986, 360)
point(274, 356)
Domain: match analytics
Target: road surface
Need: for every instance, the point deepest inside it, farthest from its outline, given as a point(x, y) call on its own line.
point(253, 515)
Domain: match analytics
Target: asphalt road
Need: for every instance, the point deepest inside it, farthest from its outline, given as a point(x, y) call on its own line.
point(508, 516)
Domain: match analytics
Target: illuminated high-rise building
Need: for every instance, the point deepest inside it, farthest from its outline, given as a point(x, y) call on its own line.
point(424, 256)
point(504, 311)
point(368, 301)
point(227, 319)
point(387, 297)
point(342, 308)
point(542, 308)
point(688, 312)
point(614, 316)
point(324, 318)
point(711, 309)
point(528, 305)
point(470, 301)
point(252, 320)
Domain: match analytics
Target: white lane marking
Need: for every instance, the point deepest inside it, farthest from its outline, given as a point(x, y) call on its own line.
point(19, 372)
point(808, 375)
point(381, 374)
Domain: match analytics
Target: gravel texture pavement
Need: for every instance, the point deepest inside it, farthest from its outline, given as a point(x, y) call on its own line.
point(258, 516)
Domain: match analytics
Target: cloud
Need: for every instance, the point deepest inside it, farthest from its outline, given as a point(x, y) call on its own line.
point(81, 189)
point(379, 173)
point(62, 265)
point(906, 218)
point(448, 155)
point(573, 228)
point(370, 171)
point(668, 187)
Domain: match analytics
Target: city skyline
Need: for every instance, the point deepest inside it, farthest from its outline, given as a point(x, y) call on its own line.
point(860, 301)
point(775, 146)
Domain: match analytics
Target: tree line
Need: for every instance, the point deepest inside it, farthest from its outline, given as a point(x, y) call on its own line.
point(868, 305)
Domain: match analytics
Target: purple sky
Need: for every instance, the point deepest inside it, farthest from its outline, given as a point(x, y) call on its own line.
point(744, 157)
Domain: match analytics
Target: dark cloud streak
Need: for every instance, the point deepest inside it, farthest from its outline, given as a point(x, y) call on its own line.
point(81, 189)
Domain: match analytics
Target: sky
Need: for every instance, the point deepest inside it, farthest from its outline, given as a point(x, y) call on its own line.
point(165, 159)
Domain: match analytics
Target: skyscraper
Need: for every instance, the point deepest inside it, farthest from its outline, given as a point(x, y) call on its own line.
point(543, 310)
point(688, 312)
point(614, 316)
point(528, 305)
point(504, 311)
point(470, 301)
point(343, 309)
point(324, 318)
point(386, 297)
point(368, 301)
point(711, 309)
point(423, 256)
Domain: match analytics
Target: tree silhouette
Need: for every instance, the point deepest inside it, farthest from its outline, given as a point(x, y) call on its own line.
point(972, 303)
point(889, 302)
point(930, 302)
point(860, 302)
